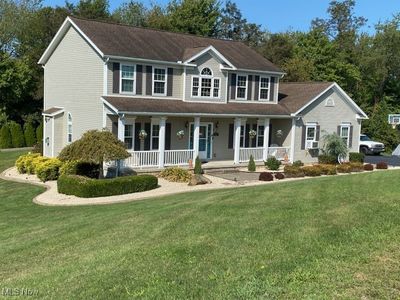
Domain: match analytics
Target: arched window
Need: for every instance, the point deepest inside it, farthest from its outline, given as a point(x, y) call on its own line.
point(330, 102)
point(69, 128)
point(205, 85)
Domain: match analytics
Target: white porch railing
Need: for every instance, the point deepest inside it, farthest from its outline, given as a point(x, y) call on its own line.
point(280, 153)
point(143, 159)
point(177, 157)
point(244, 154)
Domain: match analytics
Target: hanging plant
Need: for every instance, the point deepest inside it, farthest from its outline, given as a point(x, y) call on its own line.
point(252, 133)
point(142, 134)
point(279, 133)
point(180, 134)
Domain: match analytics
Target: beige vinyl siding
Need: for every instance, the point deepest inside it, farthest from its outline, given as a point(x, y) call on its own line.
point(73, 79)
point(176, 86)
point(209, 61)
point(285, 125)
point(328, 118)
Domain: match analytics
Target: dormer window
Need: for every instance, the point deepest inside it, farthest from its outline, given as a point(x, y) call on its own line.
point(205, 85)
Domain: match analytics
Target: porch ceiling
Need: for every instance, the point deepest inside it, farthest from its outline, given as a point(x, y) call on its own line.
point(179, 107)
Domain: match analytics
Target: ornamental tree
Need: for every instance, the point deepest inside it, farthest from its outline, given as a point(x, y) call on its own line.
point(95, 147)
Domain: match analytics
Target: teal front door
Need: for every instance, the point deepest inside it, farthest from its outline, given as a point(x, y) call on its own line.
point(205, 140)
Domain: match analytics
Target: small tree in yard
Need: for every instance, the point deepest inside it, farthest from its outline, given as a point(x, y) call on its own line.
point(96, 147)
point(29, 133)
point(17, 136)
point(5, 137)
point(197, 166)
point(334, 145)
point(252, 165)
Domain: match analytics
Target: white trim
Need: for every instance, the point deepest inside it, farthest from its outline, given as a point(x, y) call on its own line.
point(165, 81)
point(150, 61)
point(227, 87)
point(58, 37)
point(52, 136)
point(209, 134)
point(55, 113)
point(69, 123)
point(261, 88)
point(341, 91)
point(132, 79)
point(105, 77)
point(184, 84)
point(308, 126)
point(292, 140)
point(237, 86)
point(201, 77)
point(348, 126)
point(209, 48)
point(141, 96)
point(255, 71)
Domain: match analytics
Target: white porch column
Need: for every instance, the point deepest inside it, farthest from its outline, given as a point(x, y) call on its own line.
point(266, 138)
point(121, 128)
point(292, 140)
point(236, 140)
point(196, 136)
point(161, 142)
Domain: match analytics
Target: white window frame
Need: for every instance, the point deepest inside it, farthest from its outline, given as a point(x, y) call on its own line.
point(345, 125)
point(330, 102)
point(314, 139)
point(237, 86)
point(242, 136)
point(69, 123)
point(165, 81)
point(154, 136)
point(200, 78)
point(260, 134)
point(132, 79)
point(263, 88)
point(132, 136)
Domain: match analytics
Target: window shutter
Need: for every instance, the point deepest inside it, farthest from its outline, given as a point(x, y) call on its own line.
point(257, 87)
point(338, 130)
point(115, 88)
point(170, 81)
point(149, 80)
point(254, 140)
point(270, 135)
point(303, 137)
point(233, 86)
point(247, 136)
point(230, 137)
point(351, 137)
point(168, 136)
point(272, 89)
point(250, 86)
point(139, 79)
point(138, 127)
point(317, 134)
point(147, 128)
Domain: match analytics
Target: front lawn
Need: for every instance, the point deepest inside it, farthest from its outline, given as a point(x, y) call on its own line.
point(331, 237)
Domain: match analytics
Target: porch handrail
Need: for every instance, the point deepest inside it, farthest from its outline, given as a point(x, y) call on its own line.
point(143, 159)
point(280, 153)
point(177, 157)
point(245, 153)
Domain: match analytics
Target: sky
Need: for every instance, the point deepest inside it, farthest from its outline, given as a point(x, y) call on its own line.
point(291, 14)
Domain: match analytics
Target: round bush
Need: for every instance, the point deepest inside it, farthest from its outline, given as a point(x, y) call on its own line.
point(24, 161)
point(293, 172)
point(32, 164)
point(266, 176)
point(368, 167)
point(30, 135)
point(272, 163)
point(5, 137)
point(312, 171)
point(279, 176)
point(88, 188)
point(48, 169)
point(381, 165)
point(176, 174)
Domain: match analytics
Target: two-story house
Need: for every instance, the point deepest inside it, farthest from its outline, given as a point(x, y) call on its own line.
point(171, 97)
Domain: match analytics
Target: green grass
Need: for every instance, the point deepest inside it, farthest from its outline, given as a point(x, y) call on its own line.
point(331, 237)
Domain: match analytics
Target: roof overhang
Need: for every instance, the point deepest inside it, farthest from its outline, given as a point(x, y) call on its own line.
point(360, 113)
point(53, 111)
point(214, 51)
point(59, 36)
point(281, 74)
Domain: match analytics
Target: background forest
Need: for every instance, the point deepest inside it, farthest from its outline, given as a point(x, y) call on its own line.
point(367, 66)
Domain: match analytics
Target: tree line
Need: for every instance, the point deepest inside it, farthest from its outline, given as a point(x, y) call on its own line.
point(367, 66)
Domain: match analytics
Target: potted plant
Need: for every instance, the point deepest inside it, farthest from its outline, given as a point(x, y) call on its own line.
point(142, 134)
point(180, 134)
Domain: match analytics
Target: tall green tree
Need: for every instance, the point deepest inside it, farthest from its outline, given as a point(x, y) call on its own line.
point(90, 9)
point(132, 13)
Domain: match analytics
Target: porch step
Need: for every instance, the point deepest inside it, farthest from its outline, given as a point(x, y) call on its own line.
point(216, 169)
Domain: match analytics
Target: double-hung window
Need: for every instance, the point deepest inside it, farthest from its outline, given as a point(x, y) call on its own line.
point(69, 128)
point(159, 81)
point(260, 136)
point(264, 88)
point(345, 133)
point(311, 135)
point(216, 88)
point(128, 79)
point(128, 136)
point(205, 85)
point(242, 136)
point(241, 87)
point(155, 135)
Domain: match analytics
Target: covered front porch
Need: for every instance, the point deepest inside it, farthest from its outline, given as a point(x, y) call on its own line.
point(163, 141)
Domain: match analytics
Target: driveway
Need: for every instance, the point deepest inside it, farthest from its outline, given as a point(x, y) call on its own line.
point(390, 160)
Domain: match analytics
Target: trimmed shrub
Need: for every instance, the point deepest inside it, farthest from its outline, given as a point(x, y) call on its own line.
point(31, 165)
point(39, 133)
point(266, 176)
point(298, 163)
point(87, 187)
point(197, 166)
point(279, 176)
point(368, 167)
point(5, 137)
point(343, 168)
point(176, 174)
point(17, 135)
point(23, 161)
point(81, 168)
point(312, 171)
point(356, 166)
point(327, 159)
point(251, 167)
point(48, 169)
point(381, 165)
point(272, 163)
point(356, 157)
point(293, 171)
point(328, 169)
point(30, 135)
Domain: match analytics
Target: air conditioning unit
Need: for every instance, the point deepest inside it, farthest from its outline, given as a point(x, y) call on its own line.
point(311, 145)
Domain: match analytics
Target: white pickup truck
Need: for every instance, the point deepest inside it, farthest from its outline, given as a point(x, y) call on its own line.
point(368, 146)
